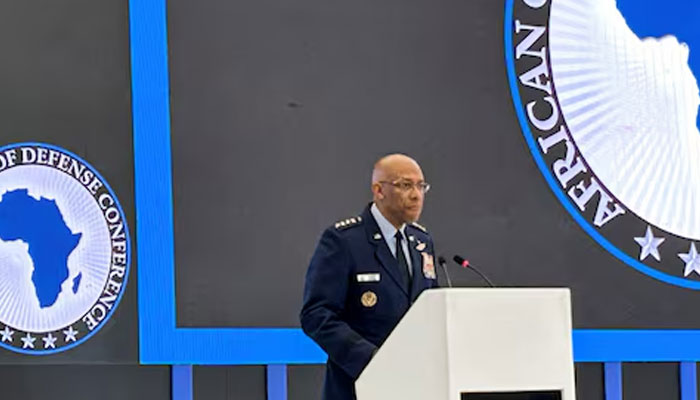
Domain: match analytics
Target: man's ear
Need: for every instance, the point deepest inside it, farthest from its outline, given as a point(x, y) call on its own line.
point(377, 191)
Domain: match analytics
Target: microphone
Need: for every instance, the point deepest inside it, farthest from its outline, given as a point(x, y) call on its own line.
point(442, 262)
point(465, 264)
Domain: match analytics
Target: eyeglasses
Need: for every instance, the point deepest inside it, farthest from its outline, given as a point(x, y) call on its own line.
point(406, 186)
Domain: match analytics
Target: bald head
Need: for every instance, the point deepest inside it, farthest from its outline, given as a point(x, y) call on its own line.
point(390, 177)
point(390, 166)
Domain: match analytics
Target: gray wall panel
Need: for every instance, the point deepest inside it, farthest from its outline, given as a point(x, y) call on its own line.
point(305, 381)
point(650, 381)
point(209, 383)
point(589, 381)
point(85, 382)
point(229, 383)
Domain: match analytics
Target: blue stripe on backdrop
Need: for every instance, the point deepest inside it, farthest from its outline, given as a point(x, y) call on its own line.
point(276, 382)
point(689, 381)
point(181, 382)
point(605, 345)
point(613, 381)
point(152, 186)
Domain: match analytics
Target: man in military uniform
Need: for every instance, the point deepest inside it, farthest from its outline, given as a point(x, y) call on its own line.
point(366, 272)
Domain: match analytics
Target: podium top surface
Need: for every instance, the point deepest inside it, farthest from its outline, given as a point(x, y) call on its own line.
point(501, 291)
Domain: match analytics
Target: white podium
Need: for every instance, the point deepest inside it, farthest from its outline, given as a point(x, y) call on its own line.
point(456, 341)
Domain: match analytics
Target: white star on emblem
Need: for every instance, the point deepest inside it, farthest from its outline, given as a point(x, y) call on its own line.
point(70, 334)
point(691, 260)
point(649, 244)
point(49, 341)
point(28, 341)
point(7, 334)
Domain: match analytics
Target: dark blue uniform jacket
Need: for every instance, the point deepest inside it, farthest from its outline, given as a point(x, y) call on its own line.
point(343, 269)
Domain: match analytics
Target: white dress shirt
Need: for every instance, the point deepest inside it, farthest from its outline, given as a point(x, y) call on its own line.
point(389, 231)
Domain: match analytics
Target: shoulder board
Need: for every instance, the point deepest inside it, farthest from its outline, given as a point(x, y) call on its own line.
point(419, 226)
point(347, 223)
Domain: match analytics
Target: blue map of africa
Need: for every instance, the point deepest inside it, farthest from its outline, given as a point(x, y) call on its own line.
point(40, 224)
point(654, 18)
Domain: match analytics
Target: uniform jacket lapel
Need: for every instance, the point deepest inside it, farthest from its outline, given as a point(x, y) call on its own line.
point(382, 252)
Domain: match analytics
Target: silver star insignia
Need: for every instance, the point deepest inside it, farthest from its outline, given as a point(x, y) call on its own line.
point(649, 245)
point(28, 341)
point(691, 260)
point(49, 341)
point(7, 334)
point(70, 334)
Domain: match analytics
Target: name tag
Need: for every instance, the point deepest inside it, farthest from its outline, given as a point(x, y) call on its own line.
point(368, 277)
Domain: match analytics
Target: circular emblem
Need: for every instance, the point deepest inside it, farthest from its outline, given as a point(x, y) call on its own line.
point(607, 98)
point(64, 249)
point(369, 299)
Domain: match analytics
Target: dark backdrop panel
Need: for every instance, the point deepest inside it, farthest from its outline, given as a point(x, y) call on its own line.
point(305, 381)
point(229, 383)
point(589, 381)
point(82, 382)
point(651, 381)
point(279, 110)
point(65, 81)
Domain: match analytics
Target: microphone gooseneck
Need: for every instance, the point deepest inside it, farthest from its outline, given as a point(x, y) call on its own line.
point(465, 264)
point(442, 262)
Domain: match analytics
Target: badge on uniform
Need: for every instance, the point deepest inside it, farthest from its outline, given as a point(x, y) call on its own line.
point(369, 299)
point(428, 266)
point(421, 246)
point(371, 277)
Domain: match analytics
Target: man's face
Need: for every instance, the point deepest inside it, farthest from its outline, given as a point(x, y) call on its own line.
point(404, 204)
